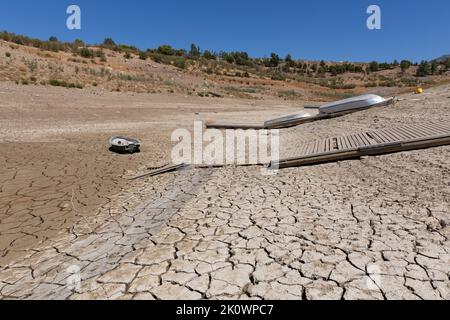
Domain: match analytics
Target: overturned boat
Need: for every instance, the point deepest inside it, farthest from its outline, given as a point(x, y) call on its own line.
point(326, 111)
point(288, 120)
point(352, 104)
point(124, 145)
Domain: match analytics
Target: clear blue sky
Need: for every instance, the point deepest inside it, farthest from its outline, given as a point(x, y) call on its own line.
point(320, 29)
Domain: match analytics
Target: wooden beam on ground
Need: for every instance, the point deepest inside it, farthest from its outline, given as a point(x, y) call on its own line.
point(235, 126)
point(160, 171)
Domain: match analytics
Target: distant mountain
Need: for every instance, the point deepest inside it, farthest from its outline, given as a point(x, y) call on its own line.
point(443, 58)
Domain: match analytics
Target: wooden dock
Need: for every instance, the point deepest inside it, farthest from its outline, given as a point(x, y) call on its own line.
point(370, 143)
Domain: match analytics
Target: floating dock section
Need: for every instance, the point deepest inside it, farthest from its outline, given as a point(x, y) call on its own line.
point(370, 143)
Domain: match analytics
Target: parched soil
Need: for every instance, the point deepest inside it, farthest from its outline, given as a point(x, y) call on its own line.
point(73, 227)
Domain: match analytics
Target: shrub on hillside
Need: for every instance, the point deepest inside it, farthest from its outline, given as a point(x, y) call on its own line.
point(424, 69)
point(142, 55)
point(166, 50)
point(62, 83)
point(374, 66)
point(109, 42)
point(209, 55)
point(180, 63)
point(86, 53)
point(278, 76)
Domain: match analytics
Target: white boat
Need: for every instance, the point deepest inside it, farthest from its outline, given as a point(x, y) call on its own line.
point(124, 145)
point(359, 102)
point(287, 120)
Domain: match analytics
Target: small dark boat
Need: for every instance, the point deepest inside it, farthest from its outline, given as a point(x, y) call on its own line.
point(124, 145)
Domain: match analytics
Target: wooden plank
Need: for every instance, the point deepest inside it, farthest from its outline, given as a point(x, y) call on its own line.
point(160, 171)
point(310, 147)
point(403, 135)
point(436, 127)
point(415, 132)
point(426, 129)
point(393, 137)
point(326, 145)
point(233, 126)
point(363, 139)
point(440, 124)
point(347, 143)
point(329, 145)
point(321, 146)
point(340, 143)
point(353, 142)
point(418, 132)
point(313, 144)
point(378, 137)
point(385, 137)
point(368, 138)
point(373, 138)
point(374, 135)
point(444, 122)
point(358, 140)
point(303, 148)
point(313, 147)
point(333, 144)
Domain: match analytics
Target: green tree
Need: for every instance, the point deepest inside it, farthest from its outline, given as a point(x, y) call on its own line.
point(374, 66)
point(195, 50)
point(109, 42)
point(86, 53)
point(424, 69)
point(227, 57)
point(447, 64)
point(78, 43)
point(274, 60)
point(142, 55)
point(166, 50)
point(288, 58)
point(434, 67)
point(180, 52)
point(209, 55)
point(405, 65)
point(241, 58)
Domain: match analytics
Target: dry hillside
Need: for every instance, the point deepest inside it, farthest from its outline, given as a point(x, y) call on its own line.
point(125, 70)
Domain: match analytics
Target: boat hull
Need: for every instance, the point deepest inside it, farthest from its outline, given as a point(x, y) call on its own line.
point(124, 145)
point(359, 102)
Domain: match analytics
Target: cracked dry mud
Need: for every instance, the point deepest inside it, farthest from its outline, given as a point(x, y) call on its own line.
point(375, 228)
